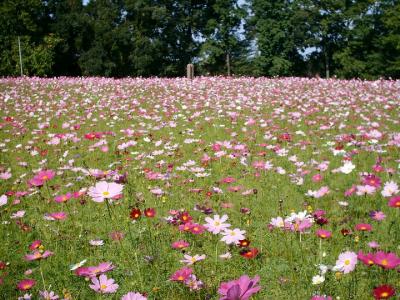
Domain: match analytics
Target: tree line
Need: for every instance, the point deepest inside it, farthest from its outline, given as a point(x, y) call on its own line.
point(117, 38)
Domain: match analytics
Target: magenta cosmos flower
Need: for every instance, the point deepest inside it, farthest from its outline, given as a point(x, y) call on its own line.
point(40, 178)
point(133, 296)
point(105, 190)
point(180, 244)
point(26, 284)
point(182, 274)
point(93, 271)
point(363, 227)
point(104, 285)
point(239, 289)
point(394, 202)
point(386, 260)
point(323, 234)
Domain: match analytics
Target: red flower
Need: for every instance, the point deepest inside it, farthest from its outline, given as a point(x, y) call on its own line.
point(150, 212)
point(345, 232)
point(244, 243)
point(384, 292)
point(135, 213)
point(249, 253)
point(185, 217)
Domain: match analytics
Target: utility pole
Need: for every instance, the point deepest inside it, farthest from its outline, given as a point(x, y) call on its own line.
point(20, 55)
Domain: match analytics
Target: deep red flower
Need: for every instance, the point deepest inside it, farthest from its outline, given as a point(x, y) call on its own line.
point(249, 253)
point(384, 292)
point(150, 212)
point(244, 243)
point(135, 213)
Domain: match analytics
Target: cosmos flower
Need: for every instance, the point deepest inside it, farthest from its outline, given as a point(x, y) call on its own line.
point(216, 224)
point(26, 284)
point(38, 255)
point(45, 295)
point(135, 213)
point(323, 234)
point(93, 271)
point(363, 227)
point(103, 285)
point(180, 244)
point(239, 289)
point(182, 274)
point(346, 262)
point(232, 236)
point(190, 260)
point(133, 296)
point(377, 215)
point(394, 202)
point(386, 260)
point(3, 200)
point(390, 188)
point(383, 292)
point(105, 190)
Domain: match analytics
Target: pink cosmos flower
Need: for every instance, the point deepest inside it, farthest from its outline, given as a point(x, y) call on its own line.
point(323, 234)
point(363, 190)
point(35, 244)
point(366, 259)
point(372, 180)
point(216, 224)
point(239, 289)
point(133, 296)
point(38, 255)
point(41, 177)
point(180, 244)
point(93, 271)
point(346, 262)
point(105, 190)
point(386, 260)
point(26, 284)
point(45, 295)
point(377, 215)
point(390, 188)
point(63, 198)
point(103, 285)
point(317, 178)
point(197, 228)
point(56, 216)
point(3, 200)
point(182, 274)
point(394, 202)
point(363, 227)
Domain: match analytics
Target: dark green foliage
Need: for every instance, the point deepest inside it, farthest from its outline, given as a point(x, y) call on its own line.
point(344, 38)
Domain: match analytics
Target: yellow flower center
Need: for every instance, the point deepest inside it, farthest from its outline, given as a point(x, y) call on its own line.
point(103, 287)
point(347, 262)
point(233, 233)
point(106, 193)
point(216, 223)
point(384, 294)
point(180, 278)
point(384, 262)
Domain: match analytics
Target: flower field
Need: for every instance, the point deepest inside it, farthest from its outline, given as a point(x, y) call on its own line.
point(216, 188)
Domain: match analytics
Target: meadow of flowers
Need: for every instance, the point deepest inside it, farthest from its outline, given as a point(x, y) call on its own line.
point(216, 188)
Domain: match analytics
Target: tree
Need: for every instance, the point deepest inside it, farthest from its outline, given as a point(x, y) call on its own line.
point(223, 47)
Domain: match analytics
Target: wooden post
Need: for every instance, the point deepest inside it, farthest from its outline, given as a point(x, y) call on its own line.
point(190, 71)
point(20, 56)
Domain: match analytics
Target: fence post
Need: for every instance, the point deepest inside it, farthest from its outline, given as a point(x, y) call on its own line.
point(190, 71)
